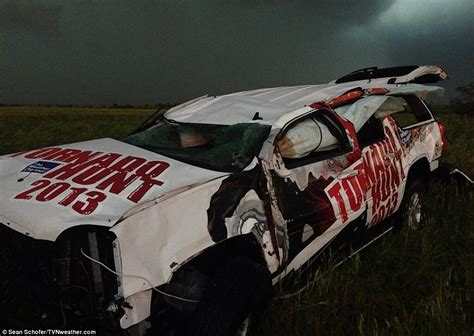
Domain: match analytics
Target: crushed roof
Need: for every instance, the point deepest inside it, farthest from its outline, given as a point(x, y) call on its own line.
point(273, 103)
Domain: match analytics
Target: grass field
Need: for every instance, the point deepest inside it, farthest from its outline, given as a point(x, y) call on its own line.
point(23, 127)
point(409, 283)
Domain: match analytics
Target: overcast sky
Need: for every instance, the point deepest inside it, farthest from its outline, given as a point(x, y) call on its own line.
point(144, 51)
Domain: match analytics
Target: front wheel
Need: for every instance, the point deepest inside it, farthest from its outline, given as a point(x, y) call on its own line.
point(239, 289)
point(412, 207)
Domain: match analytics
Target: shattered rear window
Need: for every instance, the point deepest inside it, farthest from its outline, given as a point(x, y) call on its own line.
point(226, 148)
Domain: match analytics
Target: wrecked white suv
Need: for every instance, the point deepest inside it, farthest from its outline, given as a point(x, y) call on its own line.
point(186, 223)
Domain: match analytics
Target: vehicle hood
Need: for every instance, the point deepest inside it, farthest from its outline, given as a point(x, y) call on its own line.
point(46, 191)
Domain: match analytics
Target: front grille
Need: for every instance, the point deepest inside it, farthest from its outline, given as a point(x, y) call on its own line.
point(51, 284)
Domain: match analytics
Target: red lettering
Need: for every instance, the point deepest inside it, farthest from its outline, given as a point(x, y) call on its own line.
point(395, 179)
point(62, 155)
point(52, 191)
point(384, 184)
point(394, 202)
point(334, 192)
point(377, 162)
point(91, 175)
point(117, 182)
point(386, 148)
point(400, 165)
point(92, 202)
point(375, 202)
point(382, 212)
point(42, 152)
point(354, 194)
point(17, 154)
point(72, 196)
point(147, 172)
point(26, 195)
point(375, 219)
point(369, 171)
point(128, 164)
point(152, 169)
point(362, 180)
point(65, 172)
point(391, 138)
point(82, 157)
point(138, 193)
point(109, 171)
point(104, 160)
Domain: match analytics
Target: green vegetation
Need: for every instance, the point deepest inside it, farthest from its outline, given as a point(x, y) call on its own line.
point(460, 133)
point(409, 283)
point(463, 102)
point(29, 127)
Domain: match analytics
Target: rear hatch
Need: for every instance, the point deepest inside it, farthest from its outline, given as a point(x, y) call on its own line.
point(419, 74)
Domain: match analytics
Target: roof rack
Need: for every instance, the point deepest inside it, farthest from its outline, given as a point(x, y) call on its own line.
point(375, 72)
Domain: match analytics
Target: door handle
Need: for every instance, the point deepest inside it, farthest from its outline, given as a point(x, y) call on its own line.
point(347, 174)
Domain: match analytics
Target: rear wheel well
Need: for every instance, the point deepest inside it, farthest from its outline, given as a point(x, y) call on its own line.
point(419, 170)
point(418, 176)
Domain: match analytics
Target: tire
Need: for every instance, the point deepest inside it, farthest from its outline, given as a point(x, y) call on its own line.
point(239, 289)
point(411, 213)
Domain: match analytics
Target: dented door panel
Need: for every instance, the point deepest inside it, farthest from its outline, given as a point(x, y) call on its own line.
point(317, 196)
point(385, 171)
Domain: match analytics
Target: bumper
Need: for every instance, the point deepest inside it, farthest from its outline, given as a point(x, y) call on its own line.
point(47, 284)
point(450, 174)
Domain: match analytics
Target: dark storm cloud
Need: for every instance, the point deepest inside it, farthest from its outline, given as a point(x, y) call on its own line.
point(440, 34)
point(361, 11)
point(139, 52)
point(34, 17)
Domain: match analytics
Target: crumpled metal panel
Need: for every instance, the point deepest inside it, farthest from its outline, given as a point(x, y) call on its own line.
point(47, 191)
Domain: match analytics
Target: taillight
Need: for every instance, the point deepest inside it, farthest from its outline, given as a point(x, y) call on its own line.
point(442, 131)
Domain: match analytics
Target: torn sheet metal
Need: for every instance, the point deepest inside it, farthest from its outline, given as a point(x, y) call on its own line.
point(422, 74)
point(181, 225)
point(436, 72)
point(421, 91)
point(273, 104)
point(239, 207)
point(361, 110)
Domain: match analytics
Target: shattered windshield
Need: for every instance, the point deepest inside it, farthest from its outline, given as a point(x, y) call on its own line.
point(227, 148)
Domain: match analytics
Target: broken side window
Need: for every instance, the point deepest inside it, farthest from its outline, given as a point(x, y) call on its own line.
point(371, 132)
point(414, 112)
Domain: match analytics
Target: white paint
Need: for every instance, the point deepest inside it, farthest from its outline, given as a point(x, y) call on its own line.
point(169, 226)
point(166, 234)
point(47, 220)
point(284, 102)
point(307, 232)
point(141, 306)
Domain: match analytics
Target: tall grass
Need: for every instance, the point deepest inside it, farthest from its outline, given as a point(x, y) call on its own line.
point(460, 145)
point(30, 127)
point(409, 283)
